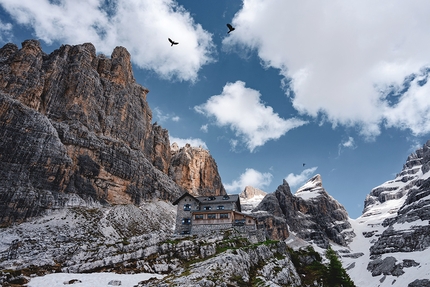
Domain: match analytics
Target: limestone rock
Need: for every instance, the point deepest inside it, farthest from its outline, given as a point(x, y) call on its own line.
point(311, 213)
point(195, 170)
point(74, 123)
point(250, 192)
point(250, 197)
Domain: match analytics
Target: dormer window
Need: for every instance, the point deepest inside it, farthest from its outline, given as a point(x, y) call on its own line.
point(211, 198)
point(207, 208)
point(220, 207)
point(225, 197)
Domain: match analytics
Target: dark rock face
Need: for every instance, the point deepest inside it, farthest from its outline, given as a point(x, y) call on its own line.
point(318, 219)
point(420, 283)
point(415, 211)
point(72, 122)
point(387, 266)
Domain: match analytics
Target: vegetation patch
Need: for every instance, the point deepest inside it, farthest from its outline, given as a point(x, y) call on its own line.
point(308, 264)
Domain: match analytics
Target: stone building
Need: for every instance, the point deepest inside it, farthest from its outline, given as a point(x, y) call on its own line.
point(201, 214)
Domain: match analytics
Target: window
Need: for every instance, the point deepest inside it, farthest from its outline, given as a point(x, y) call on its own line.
point(225, 197)
point(198, 216)
point(220, 207)
point(249, 220)
point(211, 198)
point(186, 221)
point(211, 216)
point(207, 208)
point(223, 215)
point(187, 207)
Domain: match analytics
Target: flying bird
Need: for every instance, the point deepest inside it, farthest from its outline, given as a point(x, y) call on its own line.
point(172, 42)
point(230, 28)
point(304, 164)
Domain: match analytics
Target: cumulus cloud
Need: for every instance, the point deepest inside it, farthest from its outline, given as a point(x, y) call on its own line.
point(194, 142)
point(295, 180)
point(142, 26)
point(241, 109)
point(339, 58)
point(250, 177)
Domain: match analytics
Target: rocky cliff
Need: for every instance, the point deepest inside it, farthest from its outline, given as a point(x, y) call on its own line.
point(393, 232)
point(194, 169)
point(76, 129)
point(311, 213)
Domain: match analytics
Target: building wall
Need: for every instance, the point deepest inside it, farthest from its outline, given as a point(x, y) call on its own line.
point(181, 228)
point(216, 220)
point(205, 228)
point(214, 205)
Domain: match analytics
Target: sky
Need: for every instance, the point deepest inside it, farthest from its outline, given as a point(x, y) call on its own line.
point(336, 88)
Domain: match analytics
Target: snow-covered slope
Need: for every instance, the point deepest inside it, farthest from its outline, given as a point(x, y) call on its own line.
point(393, 234)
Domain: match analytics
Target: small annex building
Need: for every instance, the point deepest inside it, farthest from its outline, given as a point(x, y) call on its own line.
point(197, 215)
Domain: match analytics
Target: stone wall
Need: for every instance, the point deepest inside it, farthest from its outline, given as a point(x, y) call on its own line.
point(181, 228)
point(205, 228)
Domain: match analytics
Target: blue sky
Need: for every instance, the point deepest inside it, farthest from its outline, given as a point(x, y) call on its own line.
point(338, 85)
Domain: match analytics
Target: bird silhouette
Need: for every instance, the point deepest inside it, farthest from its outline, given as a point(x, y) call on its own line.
point(230, 28)
point(172, 42)
point(304, 164)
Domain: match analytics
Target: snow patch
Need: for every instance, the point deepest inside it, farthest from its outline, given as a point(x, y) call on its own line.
point(90, 280)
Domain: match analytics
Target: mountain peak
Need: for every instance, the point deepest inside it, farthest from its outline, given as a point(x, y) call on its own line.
point(250, 192)
point(312, 188)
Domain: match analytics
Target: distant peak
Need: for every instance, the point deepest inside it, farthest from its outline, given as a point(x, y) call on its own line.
point(250, 192)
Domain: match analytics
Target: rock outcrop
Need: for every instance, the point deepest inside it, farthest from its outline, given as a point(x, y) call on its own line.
point(311, 213)
point(407, 229)
point(77, 123)
point(194, 169)
point(395, 227)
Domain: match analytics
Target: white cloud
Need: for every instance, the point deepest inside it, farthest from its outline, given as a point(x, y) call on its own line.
point(340, 57)
point(349, 143)
point(298, 179)
point(412, 109)
point(250, 177)
point(5, 32)
point(241, 109)
point(176, 119)
point(204, 128)
point(194, 142)
point(141, 26)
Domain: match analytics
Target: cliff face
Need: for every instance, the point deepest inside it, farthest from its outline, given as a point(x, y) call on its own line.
point(76, 123)
point(195, 170)
point(394, 228)
point(311, 213)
